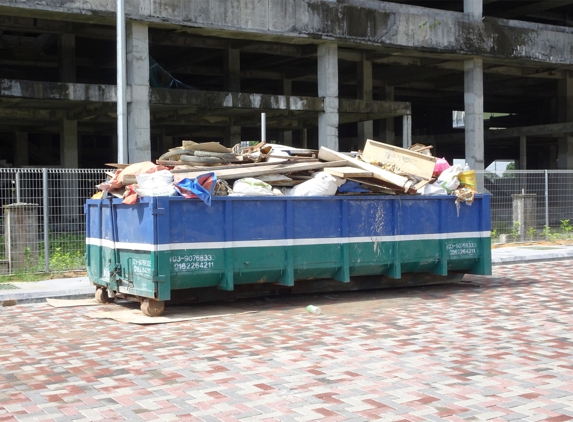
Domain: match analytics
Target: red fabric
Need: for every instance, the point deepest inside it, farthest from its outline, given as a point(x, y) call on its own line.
point(130, 195)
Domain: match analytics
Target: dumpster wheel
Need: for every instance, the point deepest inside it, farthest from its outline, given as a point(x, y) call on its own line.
point(152, 308)
point(101, 296)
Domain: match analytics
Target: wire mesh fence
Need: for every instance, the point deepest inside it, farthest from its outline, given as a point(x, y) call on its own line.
point(42, 218)
point(530, 205)
point(43, 224)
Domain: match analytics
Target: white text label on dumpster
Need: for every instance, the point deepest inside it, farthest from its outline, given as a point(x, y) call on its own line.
point(192, 262)
point(141, 266)
point(463, 248)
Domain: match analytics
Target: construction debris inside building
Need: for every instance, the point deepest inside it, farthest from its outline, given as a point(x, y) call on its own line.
point(478, 80)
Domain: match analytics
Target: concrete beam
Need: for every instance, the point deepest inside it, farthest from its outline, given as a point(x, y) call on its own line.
point(30, 114)
point(550, 130)
point(214, 100)
point(381, 108)
point(13, 88)
point(372, 23)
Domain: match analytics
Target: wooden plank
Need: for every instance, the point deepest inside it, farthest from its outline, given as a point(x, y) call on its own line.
point(238, 173)
point(375, 183)
point(393, 180)
point(347, 172)
point(225, 167)
point(411, 162)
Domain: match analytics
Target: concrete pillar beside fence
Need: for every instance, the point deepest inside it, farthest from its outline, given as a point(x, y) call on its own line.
point(524, 214)
point(21, 236)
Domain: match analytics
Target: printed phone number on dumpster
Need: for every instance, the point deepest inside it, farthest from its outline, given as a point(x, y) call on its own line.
point(467, 248)
point(192, 262)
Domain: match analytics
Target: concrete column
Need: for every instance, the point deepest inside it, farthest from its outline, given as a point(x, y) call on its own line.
point(286, 136)
point(523, 152)
point(138, 116)
point(364, 85)
point(232, 82)
point(524, 213)
point(21, 149)
point(406, 131)
point(67, 57)
point(68, 216)
point(166, 143)
point(474, 8)
point(565, 105)
point(68, 187)
point(473, 99)
point(21, 236)
point(232, 69)
point(232, 135)
point(386, 128)
point(305, 138)
point(328, 90)
point(69, 144)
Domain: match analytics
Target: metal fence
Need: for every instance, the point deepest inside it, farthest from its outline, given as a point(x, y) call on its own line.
point(43, 224)
point(42, 218)
point(530, 205)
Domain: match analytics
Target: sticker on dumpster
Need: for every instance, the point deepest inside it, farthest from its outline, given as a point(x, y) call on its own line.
point(462, 248)
point(192, 262)
point(141, 266)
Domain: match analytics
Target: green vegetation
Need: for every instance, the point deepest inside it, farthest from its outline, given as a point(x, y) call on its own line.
point(67, 253)
point(566, 228)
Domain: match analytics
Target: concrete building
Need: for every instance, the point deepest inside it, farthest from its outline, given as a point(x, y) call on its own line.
point(325, 72)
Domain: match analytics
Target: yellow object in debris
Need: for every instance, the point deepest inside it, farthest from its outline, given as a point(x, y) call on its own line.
point(468, 179)
point(98, 195)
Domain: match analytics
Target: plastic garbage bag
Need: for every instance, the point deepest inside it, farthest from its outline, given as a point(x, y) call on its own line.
point(441, 165)
point(321, 184)
point(446, 183)
point(250, 186)
point(201, 187)
point(159, 183)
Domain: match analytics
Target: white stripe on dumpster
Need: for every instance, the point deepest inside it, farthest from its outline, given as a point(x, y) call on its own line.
point(150, 247)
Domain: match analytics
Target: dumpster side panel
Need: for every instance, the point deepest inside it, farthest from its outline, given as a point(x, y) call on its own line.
point(166, 244)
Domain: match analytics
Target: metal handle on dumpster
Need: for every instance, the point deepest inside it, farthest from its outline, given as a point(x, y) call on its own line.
point(115, 267)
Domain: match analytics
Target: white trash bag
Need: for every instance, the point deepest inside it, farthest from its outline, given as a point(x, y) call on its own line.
point(159, 183)
point(321, 184)
point(250, 186)
point(447, 182)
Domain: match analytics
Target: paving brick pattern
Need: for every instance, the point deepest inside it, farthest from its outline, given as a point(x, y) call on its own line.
point(500, 351)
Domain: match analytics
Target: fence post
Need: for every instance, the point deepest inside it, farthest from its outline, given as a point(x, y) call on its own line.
point(46, 222)
point(18, 187)
point(546, 199)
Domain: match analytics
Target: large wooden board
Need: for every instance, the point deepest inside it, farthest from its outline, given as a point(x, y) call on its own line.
point(408, 161)
point(238, 173)
point(393, 180)
point(347, 172)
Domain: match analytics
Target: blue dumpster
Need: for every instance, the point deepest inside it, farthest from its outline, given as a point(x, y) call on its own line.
point(176, 249)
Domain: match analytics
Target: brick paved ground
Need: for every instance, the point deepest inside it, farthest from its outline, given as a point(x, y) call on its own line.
point(503, 351)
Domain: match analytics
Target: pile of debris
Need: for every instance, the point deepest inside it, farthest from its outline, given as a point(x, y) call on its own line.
point(209, 169)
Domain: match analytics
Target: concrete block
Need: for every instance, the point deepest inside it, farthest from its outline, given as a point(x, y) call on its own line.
point(226, 13)
point(197, 12)
point(101, 5)
point(170, 9)
point(255, 14)
point(281, 15)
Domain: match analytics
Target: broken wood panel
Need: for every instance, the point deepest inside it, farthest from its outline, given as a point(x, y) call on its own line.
point(395, 181)
point(240, 172)
point(346, 172)
point(411, 162)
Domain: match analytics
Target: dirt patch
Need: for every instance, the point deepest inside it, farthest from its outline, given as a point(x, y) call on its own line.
point(68, 274)
point(540, 243)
